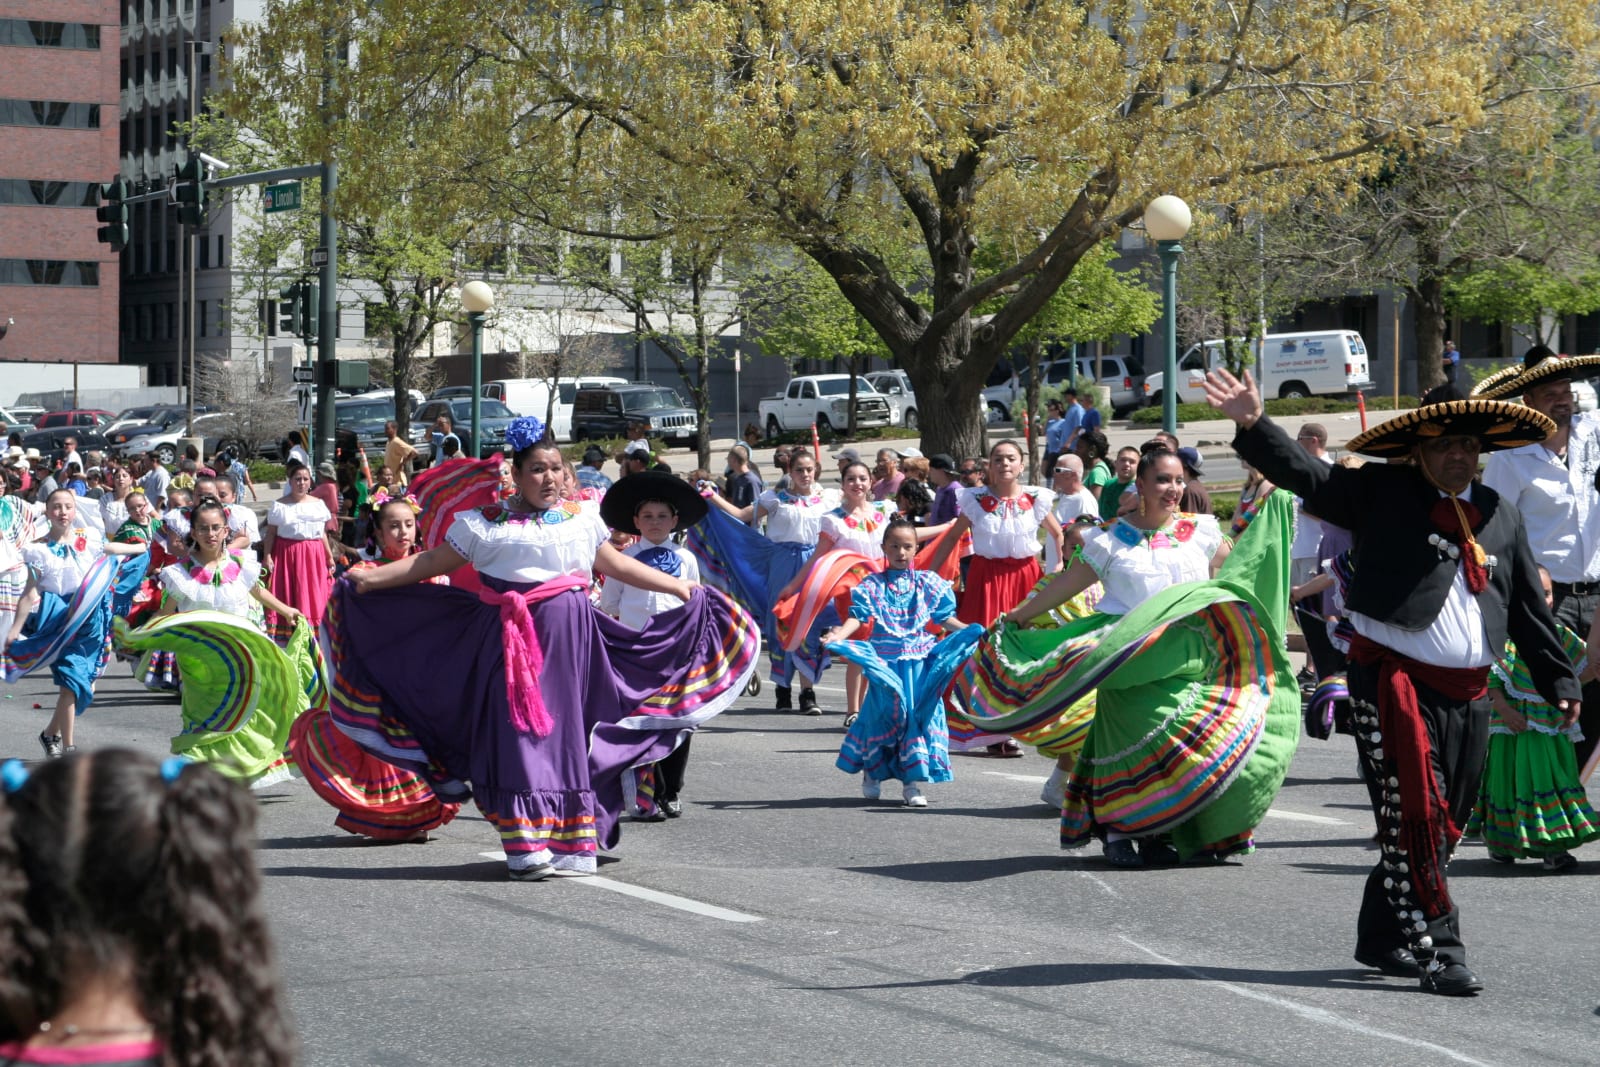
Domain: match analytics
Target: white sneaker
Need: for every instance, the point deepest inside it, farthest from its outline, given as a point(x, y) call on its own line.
point(871, 788)
point(1054, 792)
point(913, 796)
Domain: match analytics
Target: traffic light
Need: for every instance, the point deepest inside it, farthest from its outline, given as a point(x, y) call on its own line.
point(291, 310)
point(190, 191)
point(299, 307)
point(114, 213)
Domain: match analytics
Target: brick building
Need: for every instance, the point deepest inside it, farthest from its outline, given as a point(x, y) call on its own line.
point(58, 140)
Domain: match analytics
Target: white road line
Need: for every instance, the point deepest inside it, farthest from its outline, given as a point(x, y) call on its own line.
point(1306, 1011)
point(669, 900)
point(1103, 884)
point(1300, 816)
point(695, 907)
point(1036, 779)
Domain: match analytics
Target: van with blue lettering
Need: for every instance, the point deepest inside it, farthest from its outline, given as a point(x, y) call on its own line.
point(1293, 365)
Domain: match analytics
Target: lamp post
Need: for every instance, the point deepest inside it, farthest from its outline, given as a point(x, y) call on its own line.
point(477, 298)
point(1166, 220)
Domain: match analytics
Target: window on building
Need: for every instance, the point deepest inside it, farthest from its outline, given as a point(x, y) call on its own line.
point(203, 255)
point(172, 61)
point(200, 318)
point(155, 65)
point(138, 68)
point(59, 113)
point(34, 33)
point(222, 247)
point(372, 315)
point(267, 317)
point(34, 192)
point(172, 320)
point(171, 263)
point(70, 272)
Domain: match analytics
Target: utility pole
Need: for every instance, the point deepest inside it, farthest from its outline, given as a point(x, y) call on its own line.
point(328, 324)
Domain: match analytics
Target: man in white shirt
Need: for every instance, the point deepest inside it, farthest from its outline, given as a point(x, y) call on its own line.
point(1552, 484)
point(71, 456)
point(1072, 500)
point(155, 481)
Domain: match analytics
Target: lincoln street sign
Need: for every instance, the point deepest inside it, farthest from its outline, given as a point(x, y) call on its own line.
point(281, 197)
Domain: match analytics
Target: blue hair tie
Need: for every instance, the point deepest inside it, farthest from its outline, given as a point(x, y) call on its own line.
point(171, 767)
point(523, 432)
point(12, 775)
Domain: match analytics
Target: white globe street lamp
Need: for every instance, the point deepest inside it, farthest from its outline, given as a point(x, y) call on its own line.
point(1167, 220)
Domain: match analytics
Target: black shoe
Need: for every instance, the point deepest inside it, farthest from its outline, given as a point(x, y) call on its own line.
point(672, 809)
point(655, 814)
point(850, 719)
point(782, 701)
point(808, 702)
point(51, 743)
point(1452, 980)
point(1157, 852)
point(1396, 963)
point(1123, 853)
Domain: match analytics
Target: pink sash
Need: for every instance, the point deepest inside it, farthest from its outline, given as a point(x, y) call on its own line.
point(524, 657)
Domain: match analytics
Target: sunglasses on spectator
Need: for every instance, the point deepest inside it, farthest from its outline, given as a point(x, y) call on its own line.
point(1065, 470)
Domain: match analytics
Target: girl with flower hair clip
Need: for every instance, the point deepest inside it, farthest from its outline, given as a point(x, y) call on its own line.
point(64, 617)
point(240, 691)
point(1196, 711)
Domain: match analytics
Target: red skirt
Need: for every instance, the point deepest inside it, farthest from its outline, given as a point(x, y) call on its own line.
point(300, 579)
point(995, 586)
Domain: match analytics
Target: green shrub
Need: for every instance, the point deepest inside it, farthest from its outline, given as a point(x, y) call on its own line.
point(1223, 505)
point(263, 472)
point(1313, 405)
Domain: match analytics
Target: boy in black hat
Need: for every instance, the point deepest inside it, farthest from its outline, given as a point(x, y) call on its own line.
point(653, 506)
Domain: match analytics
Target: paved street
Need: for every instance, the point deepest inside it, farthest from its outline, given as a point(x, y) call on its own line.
point(784, 920)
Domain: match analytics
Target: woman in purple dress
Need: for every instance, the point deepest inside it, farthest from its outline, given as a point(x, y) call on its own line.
point(524, 689)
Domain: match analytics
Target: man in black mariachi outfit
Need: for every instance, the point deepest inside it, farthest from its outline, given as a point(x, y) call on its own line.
point(1442, 573)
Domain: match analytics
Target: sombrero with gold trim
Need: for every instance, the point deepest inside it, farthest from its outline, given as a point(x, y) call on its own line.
point(1539, 364)
point(1496, 423)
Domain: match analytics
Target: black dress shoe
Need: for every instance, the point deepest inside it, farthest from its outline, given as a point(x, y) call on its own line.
point(781, 700)
point(1396, 963)
point(671, 808)
point(1123, 853)
point(1157, 852)
point(1452, 980)
point(808, 702)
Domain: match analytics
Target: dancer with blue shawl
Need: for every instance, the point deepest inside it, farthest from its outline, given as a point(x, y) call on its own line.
point(64, 617)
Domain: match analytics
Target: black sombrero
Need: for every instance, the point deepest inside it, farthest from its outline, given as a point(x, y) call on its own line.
point(1539, 364)
point(624, 498)
point(1496, 423)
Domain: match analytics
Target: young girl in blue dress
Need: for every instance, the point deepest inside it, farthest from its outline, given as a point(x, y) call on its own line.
point(901, 732)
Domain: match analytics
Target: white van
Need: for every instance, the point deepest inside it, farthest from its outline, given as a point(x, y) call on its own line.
point(531, 396)
point(1323, 363)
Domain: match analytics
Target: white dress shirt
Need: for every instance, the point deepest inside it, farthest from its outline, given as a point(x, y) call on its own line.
point(1557, 499)
point(634, 606)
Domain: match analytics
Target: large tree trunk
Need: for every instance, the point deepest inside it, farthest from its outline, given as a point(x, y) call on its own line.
point(1427, 309)
point(1031, 407)
point(947, 388)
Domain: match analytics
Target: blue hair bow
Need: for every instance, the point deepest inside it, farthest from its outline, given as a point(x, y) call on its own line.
point(523, 432)
point(173, 766)
point(12, 775)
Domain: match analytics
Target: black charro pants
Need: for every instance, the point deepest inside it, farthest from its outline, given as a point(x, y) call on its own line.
point(1458, 735)
point(1576, 613)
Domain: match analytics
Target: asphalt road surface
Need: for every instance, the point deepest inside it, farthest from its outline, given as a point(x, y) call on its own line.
point(784, 920)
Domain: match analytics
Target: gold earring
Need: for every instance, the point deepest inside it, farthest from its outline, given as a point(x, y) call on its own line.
point(1141, 505)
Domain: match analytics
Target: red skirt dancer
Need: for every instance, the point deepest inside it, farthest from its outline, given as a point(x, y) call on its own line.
point(995, 586)
point(300, 579)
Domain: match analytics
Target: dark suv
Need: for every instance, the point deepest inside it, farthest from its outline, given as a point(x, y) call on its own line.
point(496, 417)
point(608, 410)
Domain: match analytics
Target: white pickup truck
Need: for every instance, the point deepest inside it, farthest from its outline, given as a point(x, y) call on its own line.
point(822, 399)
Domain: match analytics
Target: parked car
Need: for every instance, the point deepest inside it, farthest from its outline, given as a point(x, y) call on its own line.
point(496, 417)
point(26, 413)
point(531, 396)
point(210, 429)
point(822, 400)
point(10, 420)
point(1121, 376)
point(89, 418)
point(49, 441)
point(366, 416)
point(450, 392)
point(895, 385)
point(417, 399)
point(159, 420)
point(608, 410)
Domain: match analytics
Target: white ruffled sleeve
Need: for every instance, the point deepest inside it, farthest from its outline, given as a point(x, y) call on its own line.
point(1207, 534)
point(967, 504)
point(1043, 501)
point(463, 533)
point(1097, 549)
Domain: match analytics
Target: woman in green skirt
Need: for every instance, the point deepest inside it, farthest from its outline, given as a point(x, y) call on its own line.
point(1197, 712)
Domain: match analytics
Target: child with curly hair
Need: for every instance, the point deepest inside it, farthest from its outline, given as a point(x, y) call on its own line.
point(131, 925)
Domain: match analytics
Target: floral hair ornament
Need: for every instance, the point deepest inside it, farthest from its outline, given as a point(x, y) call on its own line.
point(13, 775)
point(172, 767)
point(382, 497)
point(524, 432)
